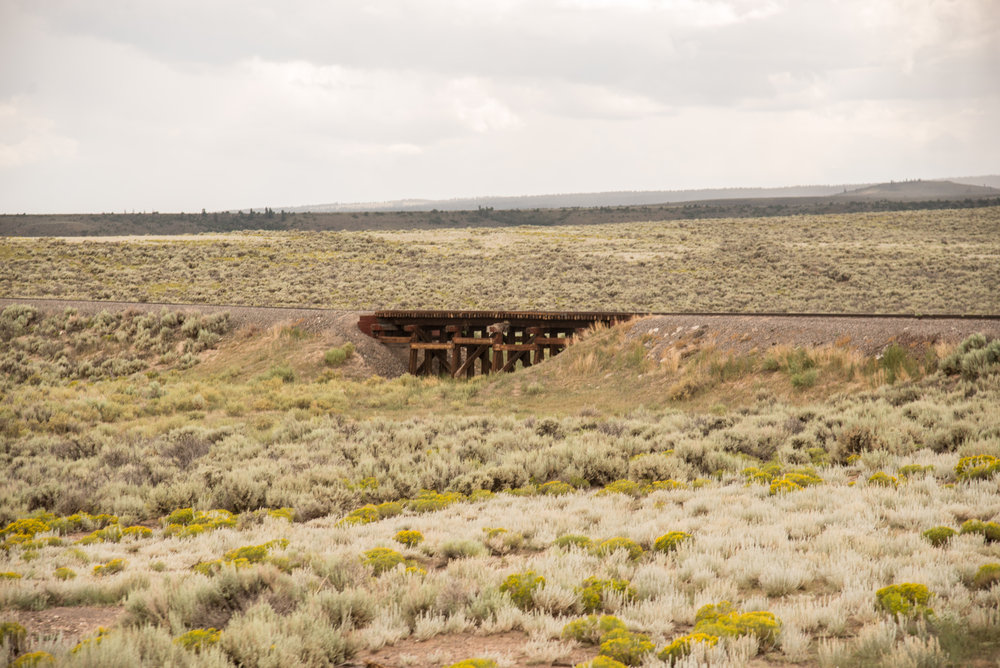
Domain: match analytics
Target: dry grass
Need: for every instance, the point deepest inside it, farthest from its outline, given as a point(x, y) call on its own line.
point(912, 261)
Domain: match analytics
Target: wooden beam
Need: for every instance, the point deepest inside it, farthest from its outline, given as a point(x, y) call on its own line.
point(515, 347)
point(513, 359)
point(470, 360)
point(561, 341)
point(394, 339)
point(421, 345)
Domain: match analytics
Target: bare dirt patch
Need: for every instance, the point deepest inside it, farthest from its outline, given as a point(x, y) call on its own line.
point(72, 624)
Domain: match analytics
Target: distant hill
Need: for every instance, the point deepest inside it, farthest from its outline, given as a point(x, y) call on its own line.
point(992, 181)
point(902, 191)
point(920, 190)
point(582, 200)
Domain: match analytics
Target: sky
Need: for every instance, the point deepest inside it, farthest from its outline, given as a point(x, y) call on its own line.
point(180, 105)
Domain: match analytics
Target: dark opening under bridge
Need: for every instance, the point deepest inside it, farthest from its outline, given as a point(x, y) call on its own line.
point(460, 343)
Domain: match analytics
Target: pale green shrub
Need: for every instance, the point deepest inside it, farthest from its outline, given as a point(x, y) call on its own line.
point(939, 536)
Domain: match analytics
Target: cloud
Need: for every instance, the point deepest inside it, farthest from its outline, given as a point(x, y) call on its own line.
point(27, 139)
point(308, 100)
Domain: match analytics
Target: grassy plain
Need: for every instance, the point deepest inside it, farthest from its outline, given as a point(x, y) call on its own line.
point(885, 262)
point(801, 482)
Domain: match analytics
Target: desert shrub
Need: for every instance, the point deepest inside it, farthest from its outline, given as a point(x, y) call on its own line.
point(240, 557)
point(408, 538)
point(555, 488)
point(21, 529)
point(987, 576)
point(461, 549)
point(351, 608)
point(502, 541)
point(32, 659)
point(610, 545)
point(804, 379)
point(382, 559)
point(974, 358)
point(64, 573)
point(668, 485)
point(196, 640)
point(670, 541)
point(910, 470)
point(939, 536)
point(763, 474)
point(894, 361)
point(624, 486)
point(185, 522)
point(977, 467)
point(110, 568)
point(794, 481)
point(882, 479)
point(904, 599)
point(573, 540)
point(10, 575)
point(339, 355)
point(722, 619)
point(281, 371)
point(783, 486)
point(251, 553)
point(591, 630)
point(262, 637)
point(428, 501)
point(990, 531)
point(521, 588)
point(372, 513)
point(90, 641)
point(855, 440)
point(282, 513)
point(474, 663)
point(181, 516)
point(137, 531)
point(363, 515)
point(626, 647)
point(681, 647)
point(13, 636)
point(601, 661)
point(594, 592)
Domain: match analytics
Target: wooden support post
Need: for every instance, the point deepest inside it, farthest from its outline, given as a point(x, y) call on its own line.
point(497, 353)
point(413, 360)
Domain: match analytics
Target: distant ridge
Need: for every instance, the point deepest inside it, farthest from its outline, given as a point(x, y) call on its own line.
point(920, 190)
point(960, 188)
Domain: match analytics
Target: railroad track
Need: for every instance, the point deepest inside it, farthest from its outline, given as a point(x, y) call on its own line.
point(628, 314)
point(462, 343)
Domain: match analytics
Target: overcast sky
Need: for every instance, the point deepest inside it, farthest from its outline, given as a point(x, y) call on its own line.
point(179, 105)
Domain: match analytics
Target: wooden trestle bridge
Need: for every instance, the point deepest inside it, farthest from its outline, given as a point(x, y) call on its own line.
point(462, 343)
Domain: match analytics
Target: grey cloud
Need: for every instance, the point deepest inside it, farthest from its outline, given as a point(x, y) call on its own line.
point(306, 99)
